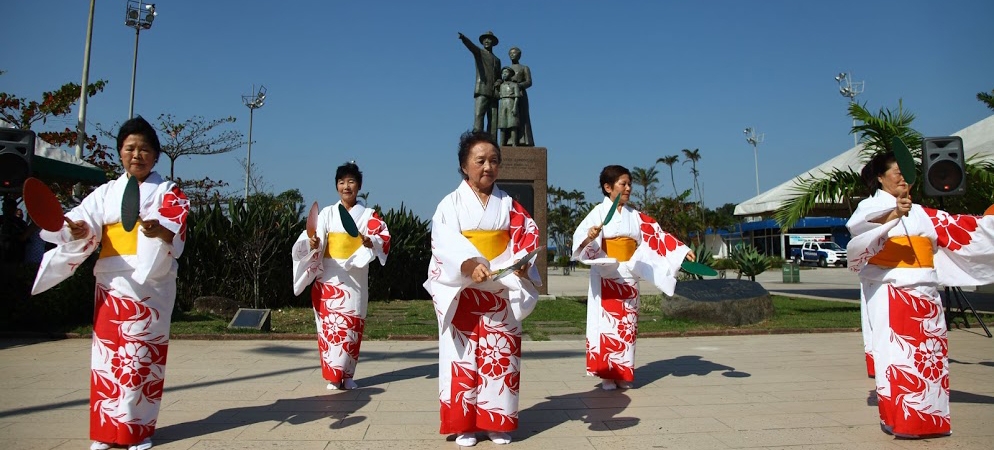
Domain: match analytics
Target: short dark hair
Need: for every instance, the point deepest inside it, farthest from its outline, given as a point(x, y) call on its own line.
point(611, 174)
point(467, 140)
point(138, 125)
point(874, 168)
point(349, 169)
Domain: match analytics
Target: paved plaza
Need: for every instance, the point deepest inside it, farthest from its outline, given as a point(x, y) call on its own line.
point(806, 391)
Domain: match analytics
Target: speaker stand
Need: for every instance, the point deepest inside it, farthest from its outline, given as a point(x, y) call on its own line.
point(957, 295)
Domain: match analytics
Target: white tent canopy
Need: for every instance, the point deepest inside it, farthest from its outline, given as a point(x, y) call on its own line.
point(978, 141)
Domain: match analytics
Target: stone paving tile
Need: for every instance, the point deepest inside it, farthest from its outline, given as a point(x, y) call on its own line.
point(683, 441)
point(775, 421)
point(39, 444)
point(425, 444)
point(255, 445)
point(785, 436)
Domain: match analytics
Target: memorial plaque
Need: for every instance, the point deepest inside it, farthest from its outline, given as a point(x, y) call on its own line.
point(257, 319)
point(524, 193)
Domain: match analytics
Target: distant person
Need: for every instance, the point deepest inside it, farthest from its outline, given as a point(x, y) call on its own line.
point(338, 266)
point(629, 248)
point(487, 79)
point(903, 252)
point(477, 230)
point(507, 111)
point(522, 76)
point(135, 289)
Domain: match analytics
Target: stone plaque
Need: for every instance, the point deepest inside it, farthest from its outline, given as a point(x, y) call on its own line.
point(251, 318)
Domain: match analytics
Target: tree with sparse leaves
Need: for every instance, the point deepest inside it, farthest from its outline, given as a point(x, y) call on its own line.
point(987, 98)
point(646, 178)
point(196, 136)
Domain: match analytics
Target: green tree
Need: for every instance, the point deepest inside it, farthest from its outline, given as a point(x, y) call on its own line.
point(987, 98)
point(670, 161)
point(566, 209)
point(692, 157)
point(646, 178)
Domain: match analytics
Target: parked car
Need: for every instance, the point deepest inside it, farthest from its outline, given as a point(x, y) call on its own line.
point(821, 253)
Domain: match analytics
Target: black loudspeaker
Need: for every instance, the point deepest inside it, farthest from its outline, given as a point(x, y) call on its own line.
point(16, 149)
point(943, 166)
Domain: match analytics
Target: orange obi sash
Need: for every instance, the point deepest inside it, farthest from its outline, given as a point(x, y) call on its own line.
point(905, 252)
point(490, 243)
point(620, 248)
point(117, 242)
point(341, 245)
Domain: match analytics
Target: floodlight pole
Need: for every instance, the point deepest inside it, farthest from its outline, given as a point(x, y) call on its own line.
point(133, 18)
point(850, 89)
point(253, 102)
point(81, 124)
point(754, 139)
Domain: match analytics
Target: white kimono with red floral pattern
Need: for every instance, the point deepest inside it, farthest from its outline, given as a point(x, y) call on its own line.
point(341, 294)
point(908, 326)
point(613, 294)
point(134, 303)
point(479, 324)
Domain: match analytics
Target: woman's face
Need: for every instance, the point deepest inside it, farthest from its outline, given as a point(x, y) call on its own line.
point(137, 156)
point(892, 181)
point(621, 187)
point(348, 189)
point(481, 166)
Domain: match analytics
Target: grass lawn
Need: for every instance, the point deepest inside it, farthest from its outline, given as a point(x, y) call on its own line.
point(415, 319)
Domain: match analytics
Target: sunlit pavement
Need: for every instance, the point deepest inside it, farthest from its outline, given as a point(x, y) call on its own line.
point(807, 391)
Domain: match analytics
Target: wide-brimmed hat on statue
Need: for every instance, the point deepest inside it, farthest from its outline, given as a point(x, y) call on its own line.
point(489, 34)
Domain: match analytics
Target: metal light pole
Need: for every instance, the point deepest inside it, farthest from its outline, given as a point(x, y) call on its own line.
point(254, 101)
point(754, 139)
point(850, 89)
point(138, 16)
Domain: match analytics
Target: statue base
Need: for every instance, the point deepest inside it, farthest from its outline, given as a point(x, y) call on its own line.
point(524, 176)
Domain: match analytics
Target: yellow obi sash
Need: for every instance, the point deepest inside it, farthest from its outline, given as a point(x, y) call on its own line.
point(620, 248)
point(341, 245)
point(117, 242)
point(905, 252)
point(490, 243)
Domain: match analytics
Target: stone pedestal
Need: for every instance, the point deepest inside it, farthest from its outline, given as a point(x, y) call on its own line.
point(728, 302)
point(524, 176)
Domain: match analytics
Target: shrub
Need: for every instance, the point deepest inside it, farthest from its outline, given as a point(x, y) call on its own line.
point(403, 277)
point(749, 261)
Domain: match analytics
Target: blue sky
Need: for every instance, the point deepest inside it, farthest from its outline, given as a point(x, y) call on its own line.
point(388, 84)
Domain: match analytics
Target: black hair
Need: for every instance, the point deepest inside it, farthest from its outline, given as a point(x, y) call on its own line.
point(138, 125)
point(467, 140)
point(874, 168)
point(349, 169)
point(611, 174)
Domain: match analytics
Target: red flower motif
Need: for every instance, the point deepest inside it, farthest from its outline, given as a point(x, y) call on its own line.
point(378, 227)
point(658, 240)
point(613, 290)
point(175, 207)
point(131, 364)
point(335, 328)
point(494, 355)
point(524, 233)
point(928, 359)
point(513, 381)
point(953, 229)
point(628, 327)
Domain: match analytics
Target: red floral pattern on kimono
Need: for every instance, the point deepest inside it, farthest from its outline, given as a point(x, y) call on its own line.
point(175, 208)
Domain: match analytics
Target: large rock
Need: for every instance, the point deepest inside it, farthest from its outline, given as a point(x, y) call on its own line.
point(218, 306)
point(728, 302)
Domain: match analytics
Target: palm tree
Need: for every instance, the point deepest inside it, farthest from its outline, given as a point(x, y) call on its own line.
point(876, 133)
point(670, 161)
point(692, 156)
point(647, 178)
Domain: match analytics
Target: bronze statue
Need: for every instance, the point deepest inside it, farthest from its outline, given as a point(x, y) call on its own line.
point(508, 111)
point(487, 81)
point(522, 76)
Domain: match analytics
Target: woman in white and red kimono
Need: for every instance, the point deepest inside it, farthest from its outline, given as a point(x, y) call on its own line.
point(340, 265)
point(135, 289)
point(477, 230)
point(903, 252)
point(629, 248)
